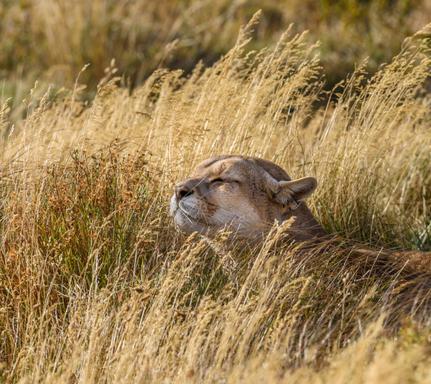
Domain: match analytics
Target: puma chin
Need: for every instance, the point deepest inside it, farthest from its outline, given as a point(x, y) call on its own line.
point(245, 195)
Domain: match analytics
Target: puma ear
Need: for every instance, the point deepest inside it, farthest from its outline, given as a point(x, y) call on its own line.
point(292, 192)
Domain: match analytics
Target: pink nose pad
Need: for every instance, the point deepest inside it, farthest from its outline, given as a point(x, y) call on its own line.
point(182, 191)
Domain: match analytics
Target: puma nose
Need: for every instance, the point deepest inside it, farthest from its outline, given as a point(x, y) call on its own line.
point(182, 191)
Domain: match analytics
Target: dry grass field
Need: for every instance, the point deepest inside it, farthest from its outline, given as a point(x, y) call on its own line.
point(51, 40)
point(97, 286)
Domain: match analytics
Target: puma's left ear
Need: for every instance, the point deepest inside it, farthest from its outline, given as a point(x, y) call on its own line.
point(292, 192)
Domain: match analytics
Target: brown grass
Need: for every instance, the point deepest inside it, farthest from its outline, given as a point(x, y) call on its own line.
point(98, 286)
point(51, 40)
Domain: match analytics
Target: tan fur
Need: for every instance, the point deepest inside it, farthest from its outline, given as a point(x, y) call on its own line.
point(248, 195)
point(245, 195)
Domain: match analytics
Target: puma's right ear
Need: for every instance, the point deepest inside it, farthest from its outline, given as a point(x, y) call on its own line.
point(300, 188)
point(292, 192)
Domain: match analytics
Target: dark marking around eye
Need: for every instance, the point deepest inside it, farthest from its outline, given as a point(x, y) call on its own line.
point(225, 181)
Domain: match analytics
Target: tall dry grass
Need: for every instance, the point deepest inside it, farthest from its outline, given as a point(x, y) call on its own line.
point(98, 286)
point(51, 40)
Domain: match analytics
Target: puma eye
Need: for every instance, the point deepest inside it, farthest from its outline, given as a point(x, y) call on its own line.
point(217, 181)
